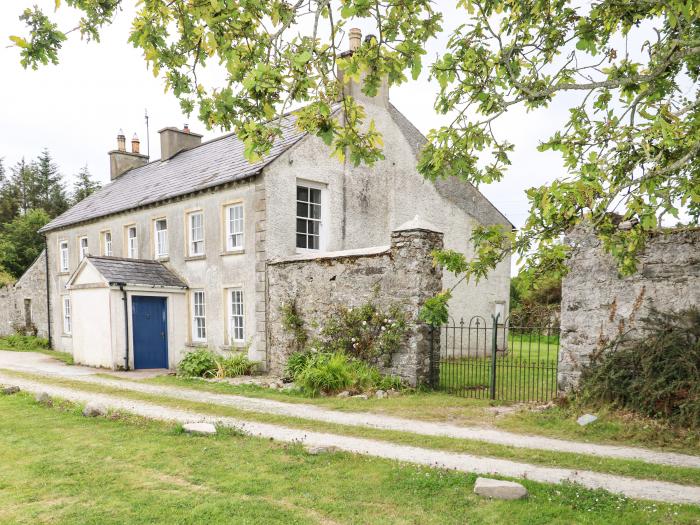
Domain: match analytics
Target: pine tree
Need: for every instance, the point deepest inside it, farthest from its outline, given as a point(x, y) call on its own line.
point(8, 208)
point(20, 188)
point(49, 192)
point(84, 185)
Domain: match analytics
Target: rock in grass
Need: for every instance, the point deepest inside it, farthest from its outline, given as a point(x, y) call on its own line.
point(361, 396)
point(199, 428)
point(9, 390)
point(44, 399)
point(315, 450)
point(499, 489)
point(344, 393)
point(380, 394)
point(586, 419)
point(94, 410)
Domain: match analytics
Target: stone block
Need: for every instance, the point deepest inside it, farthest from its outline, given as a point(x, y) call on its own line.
point(499, 489)
point(9, 390)
point(199, 428)
point(94, 410)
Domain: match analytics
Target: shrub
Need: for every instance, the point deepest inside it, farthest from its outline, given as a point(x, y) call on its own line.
point(24, 342)
point(235, 365)
point(365, 332)
point(332, 372)
point(198, 363)
point(656, 375)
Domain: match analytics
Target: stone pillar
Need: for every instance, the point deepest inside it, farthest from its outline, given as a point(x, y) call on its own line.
point(260, 274)
point(412, 245)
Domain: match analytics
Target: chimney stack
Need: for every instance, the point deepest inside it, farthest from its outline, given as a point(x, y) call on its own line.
point(173, 141)
point(121, 161)
point(135, 144)
point(353, 88)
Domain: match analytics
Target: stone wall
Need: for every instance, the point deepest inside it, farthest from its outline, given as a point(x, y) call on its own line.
point(400, 274)
point(598, 304)
point(23, 305)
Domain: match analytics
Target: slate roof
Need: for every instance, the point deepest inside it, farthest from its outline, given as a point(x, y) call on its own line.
point(135, 271)
point(213, 163)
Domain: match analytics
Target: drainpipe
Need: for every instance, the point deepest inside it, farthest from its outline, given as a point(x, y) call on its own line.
point(126, 326)
point(48, 292)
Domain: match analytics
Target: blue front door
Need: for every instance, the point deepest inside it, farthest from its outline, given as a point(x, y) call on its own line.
point(150, 329)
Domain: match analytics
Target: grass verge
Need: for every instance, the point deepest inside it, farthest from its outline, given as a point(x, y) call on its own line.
point(148, 472)
point(612, 427)
point(630, 468)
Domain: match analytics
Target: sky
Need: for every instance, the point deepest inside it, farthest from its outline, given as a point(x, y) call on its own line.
point(76, 109)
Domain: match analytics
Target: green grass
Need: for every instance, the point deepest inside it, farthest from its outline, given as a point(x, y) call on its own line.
point(26, 343)
point(635, 469)
point(526, 372)
point(612, 427)
point(58, 467)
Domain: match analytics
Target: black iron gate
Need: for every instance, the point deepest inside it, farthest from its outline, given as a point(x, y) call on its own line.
point(495, 360)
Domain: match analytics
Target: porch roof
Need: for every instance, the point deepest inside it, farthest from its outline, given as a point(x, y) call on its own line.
point(143, 272)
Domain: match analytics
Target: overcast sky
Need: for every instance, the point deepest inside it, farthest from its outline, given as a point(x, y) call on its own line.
point(76, 108)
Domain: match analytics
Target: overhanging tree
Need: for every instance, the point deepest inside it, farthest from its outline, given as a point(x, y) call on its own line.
point(84, 185)
point(630, 145)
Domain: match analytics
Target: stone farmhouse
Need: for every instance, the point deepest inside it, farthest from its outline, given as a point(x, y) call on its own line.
point(174, 253)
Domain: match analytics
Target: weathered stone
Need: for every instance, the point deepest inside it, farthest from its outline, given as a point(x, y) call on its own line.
point(199, 428)
point(94, 410)
point(43, 398)
point(9, 390)
point(402, 273)
point(361, 396)
point(380, 394)
point(598, 305)
point(23, 305)
point(344, 393)
point(586, 419)
point(499, 489)
point(316, 450)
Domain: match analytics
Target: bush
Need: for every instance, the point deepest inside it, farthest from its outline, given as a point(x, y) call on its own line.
point(365, 332)
point(198, 363)
point(25, 343)
point(332, 372)
point(656, 375)
point(235, 365)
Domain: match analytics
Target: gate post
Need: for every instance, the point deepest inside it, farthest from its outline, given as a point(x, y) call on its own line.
point(494, 346)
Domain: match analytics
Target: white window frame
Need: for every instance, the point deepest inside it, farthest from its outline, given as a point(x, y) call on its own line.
point(320, 221)
point(83, 250)
point(199, 316)
point(160, 238)
point(63, 256)
point(236, 315)
point(132, 243)
point(67, 316)
point(107, 243)
point(235, 227)
point(191, 239)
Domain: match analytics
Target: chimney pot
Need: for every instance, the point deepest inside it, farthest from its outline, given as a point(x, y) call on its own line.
point(135, 144)
point(186, 129)
point(355, 38)
point(121, 141)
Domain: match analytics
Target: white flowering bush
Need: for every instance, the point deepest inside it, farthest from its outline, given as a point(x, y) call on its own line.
point(365, 332)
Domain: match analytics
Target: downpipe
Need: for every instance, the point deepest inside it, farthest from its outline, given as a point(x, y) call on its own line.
point(126, 326)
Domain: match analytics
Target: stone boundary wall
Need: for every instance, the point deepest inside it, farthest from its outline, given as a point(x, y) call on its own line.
point(598, 305)
point(400, 274)
point(23, 304)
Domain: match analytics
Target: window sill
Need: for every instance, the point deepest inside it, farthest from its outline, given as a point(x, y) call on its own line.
point(232, 252)
point(195, 257)
point(235, 346)
point(67, 335)
point(196, 344)
point(162, 258)
point(63, 273)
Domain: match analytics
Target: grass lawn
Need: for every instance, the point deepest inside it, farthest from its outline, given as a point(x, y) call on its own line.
point(58, 467)
point(526, 372)
point(21, 343)
point(635, 469)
